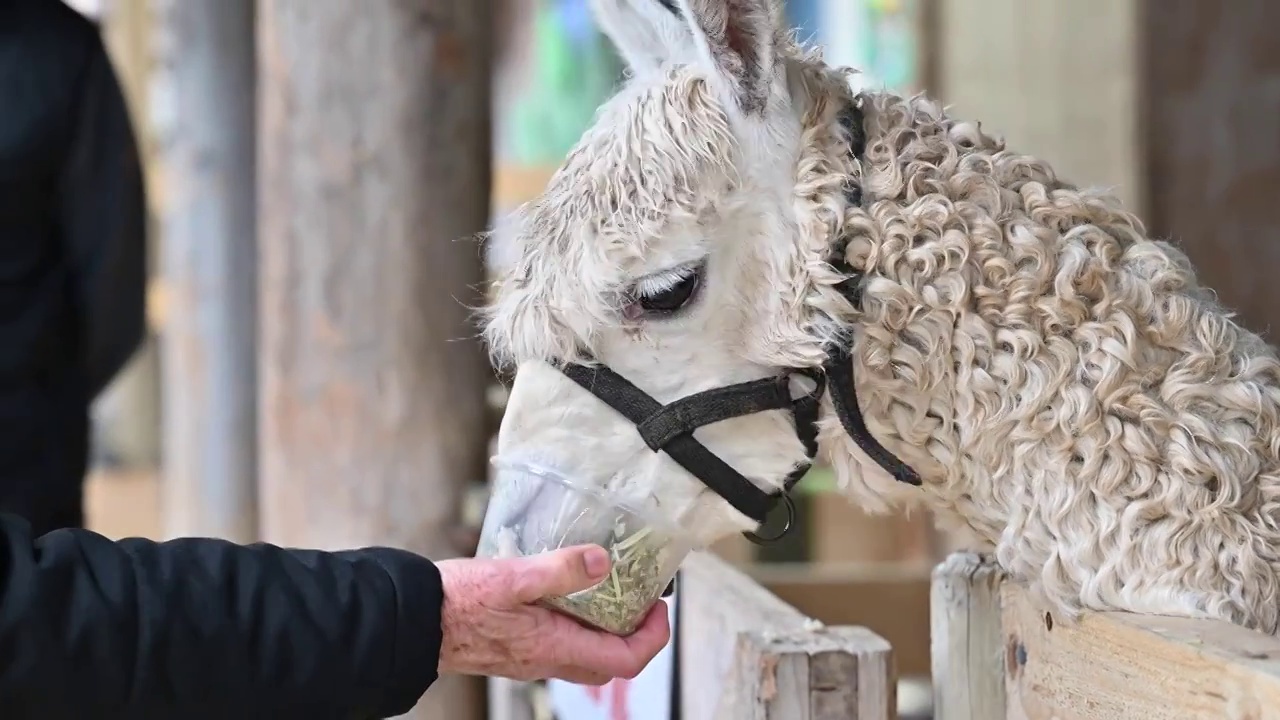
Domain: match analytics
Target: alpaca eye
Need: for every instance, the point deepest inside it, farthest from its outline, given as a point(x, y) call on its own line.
point(666, 295)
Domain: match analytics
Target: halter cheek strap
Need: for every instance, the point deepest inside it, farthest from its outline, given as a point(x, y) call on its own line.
point(839, 364)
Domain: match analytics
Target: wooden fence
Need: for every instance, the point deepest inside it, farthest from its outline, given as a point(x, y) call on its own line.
point(747, 655)
point(744, 654)
point(998, 654)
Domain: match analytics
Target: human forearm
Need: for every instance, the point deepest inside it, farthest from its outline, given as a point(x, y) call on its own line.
point(203, 628)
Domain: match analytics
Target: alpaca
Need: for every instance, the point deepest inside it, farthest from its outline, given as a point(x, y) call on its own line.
point(1063, 387)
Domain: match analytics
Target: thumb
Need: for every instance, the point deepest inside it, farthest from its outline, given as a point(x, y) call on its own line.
point(559, 572)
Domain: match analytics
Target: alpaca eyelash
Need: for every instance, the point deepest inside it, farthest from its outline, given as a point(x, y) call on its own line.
point(662, 282)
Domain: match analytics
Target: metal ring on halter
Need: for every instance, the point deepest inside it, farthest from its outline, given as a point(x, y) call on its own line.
point(818, 377)
point(790, 505)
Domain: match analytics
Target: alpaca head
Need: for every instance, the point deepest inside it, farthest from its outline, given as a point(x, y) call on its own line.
point(683, 244)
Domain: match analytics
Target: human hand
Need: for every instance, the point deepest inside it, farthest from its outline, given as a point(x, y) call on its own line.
point(491, 626)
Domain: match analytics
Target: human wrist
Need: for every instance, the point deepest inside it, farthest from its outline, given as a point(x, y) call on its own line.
point(453, 601)
point(416, 646)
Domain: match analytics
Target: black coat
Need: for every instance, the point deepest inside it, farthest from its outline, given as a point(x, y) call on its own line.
point(72, 249)
point(92, 629)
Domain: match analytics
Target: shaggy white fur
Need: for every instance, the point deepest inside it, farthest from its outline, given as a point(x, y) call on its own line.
point(1067, 390)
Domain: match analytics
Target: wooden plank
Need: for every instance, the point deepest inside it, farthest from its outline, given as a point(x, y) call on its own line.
point(203, 106)
point(1210, 82)
point(891, 600)
point(836, 673)
point(510, 700)
point(709, 639)
point(999, 654)
point(1114, 665)
point(844, 533)
point(374, 170)
point(1023, 68)
point(968, 645)
point(747, 655)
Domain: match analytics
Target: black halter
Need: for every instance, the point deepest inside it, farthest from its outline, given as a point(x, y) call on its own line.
point(670, 427)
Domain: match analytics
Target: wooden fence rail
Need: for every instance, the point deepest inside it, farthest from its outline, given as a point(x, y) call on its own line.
point(744, 654)
point(747, 655)
point(998, 655)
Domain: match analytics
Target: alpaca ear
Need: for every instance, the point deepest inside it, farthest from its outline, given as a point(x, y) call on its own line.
point(646, 33)
point(738, 38)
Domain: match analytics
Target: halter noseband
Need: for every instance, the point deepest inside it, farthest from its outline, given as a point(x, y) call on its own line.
point(670, 427)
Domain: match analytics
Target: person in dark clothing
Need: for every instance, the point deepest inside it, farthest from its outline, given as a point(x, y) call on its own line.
point(72, 252)
point(92, 629)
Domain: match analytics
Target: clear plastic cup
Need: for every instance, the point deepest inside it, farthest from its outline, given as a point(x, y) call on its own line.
point(535, 509)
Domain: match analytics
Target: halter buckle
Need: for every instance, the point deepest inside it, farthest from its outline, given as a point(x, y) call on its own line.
point(790, 505)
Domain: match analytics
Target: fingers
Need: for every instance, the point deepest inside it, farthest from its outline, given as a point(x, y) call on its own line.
point(652, 635)
point(582, 677)
point(560, 572)
point(576, 646)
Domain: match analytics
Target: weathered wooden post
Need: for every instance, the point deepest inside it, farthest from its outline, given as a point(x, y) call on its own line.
point(1000, 654)
point(373, 173)
point(747, 655)
point(968, 640)
point(202, 109)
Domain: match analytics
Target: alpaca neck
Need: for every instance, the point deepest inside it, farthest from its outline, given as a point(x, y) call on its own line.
point(904, 328)
point(911, 425)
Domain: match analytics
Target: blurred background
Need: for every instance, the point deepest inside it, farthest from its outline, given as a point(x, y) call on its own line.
point(310, 376)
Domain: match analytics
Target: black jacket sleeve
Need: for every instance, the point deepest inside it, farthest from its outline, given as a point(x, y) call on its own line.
point(200, 628)
point(102, 216)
